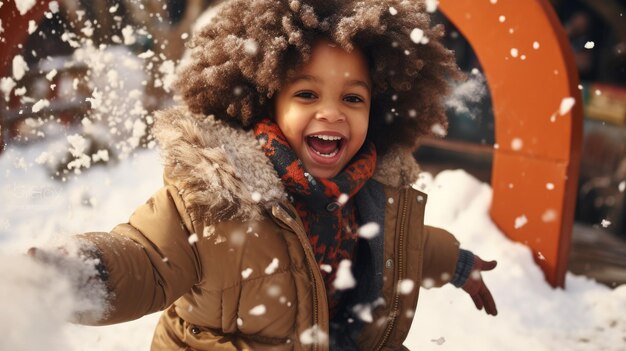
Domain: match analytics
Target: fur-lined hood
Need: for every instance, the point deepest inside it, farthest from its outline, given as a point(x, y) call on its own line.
point(223, 174)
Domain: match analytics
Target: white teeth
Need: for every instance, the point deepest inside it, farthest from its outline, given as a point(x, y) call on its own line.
point(327, 137)
point(327, 155)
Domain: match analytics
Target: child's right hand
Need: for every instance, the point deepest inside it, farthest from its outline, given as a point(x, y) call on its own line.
point(476, 288)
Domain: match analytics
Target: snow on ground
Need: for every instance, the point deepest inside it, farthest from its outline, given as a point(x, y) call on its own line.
point(35, 300)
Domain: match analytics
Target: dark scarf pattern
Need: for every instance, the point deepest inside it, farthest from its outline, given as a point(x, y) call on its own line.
point(330, 226)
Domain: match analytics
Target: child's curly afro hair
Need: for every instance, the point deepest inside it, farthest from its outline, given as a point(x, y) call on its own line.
point(241, 58)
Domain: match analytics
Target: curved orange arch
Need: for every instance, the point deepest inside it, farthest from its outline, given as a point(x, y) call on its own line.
point(530, 70)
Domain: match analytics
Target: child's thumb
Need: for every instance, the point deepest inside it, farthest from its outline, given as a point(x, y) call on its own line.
point(485, 265)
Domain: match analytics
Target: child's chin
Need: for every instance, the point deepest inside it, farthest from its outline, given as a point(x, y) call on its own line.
point(319, 172)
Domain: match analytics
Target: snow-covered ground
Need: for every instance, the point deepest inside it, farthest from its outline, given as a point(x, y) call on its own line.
point(34, 301)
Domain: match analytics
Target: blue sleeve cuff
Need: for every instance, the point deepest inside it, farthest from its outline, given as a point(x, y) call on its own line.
point(463, 268)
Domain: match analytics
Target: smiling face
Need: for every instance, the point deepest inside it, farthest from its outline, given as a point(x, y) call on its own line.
point(323, 111)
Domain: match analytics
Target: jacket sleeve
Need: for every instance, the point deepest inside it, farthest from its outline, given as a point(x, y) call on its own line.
point(441, 254)
point(147, 263)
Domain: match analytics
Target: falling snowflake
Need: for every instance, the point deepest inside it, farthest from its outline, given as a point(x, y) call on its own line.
point(517, 144)
point(258, 310)
point(590, 45)
point(605, 223)
point(550, 186)
point(536, 45)
point(326, 268)
point(24, 6)
point(369, 230)
point(40, 105)
point(393, 11)
point(566, 105)
point(19, 67)
point(344, 279)
point(256, 196)
point(193, 238)
point(271, 268)
point(417, 35)
point(622, 186)
point(549, 216)
point(520, 221)
point(405, 286)
point(431, 6)
point(313, 335)
point(514, 52)
point(246, 273)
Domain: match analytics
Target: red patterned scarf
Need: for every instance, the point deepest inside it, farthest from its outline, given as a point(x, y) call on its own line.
point(325, 205)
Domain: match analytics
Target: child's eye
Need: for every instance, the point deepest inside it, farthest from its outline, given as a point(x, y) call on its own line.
point(305, 95)
point(353, 99)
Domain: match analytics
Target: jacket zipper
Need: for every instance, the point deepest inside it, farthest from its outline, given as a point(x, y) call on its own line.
point(396, 299)
point(310, 257)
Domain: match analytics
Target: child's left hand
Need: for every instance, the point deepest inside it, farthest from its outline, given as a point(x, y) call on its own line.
point(476, 288)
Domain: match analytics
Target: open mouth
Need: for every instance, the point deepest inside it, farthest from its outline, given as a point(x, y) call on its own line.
point(326, 146)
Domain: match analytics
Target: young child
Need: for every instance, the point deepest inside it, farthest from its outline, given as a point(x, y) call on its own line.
point(287, 220)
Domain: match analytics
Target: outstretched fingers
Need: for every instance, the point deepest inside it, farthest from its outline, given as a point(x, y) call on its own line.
point(488, 301)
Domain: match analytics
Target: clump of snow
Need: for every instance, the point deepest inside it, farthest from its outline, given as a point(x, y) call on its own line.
point(246, 273)
point(250, 47)
point(6, 86)
point(364, 312)
point(32, 27)
point(314, 335)
point(40, 105)
point(24, 6)
point(326, 268)
point(193, 238)
point(20, 67)
point(369, 230)
point(272, 267)
point(129, 35)
point(431, 5)
point(393, 11)
point(520, 221)
point(258, 310)
point(566, 105)
point(256, 196)
point(344, 279)
point(417, 35)
point(405, 286)
point(438, 130)
point(549, 215)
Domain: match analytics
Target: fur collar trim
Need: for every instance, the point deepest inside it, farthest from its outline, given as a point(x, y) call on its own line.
point(222, 173)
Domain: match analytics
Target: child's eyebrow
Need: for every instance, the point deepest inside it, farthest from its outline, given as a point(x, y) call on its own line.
point(308, 77)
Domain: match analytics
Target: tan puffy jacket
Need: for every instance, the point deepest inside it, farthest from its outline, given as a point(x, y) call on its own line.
point(221, 251)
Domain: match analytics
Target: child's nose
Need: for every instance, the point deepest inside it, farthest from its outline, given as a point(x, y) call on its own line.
point(330, 113)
